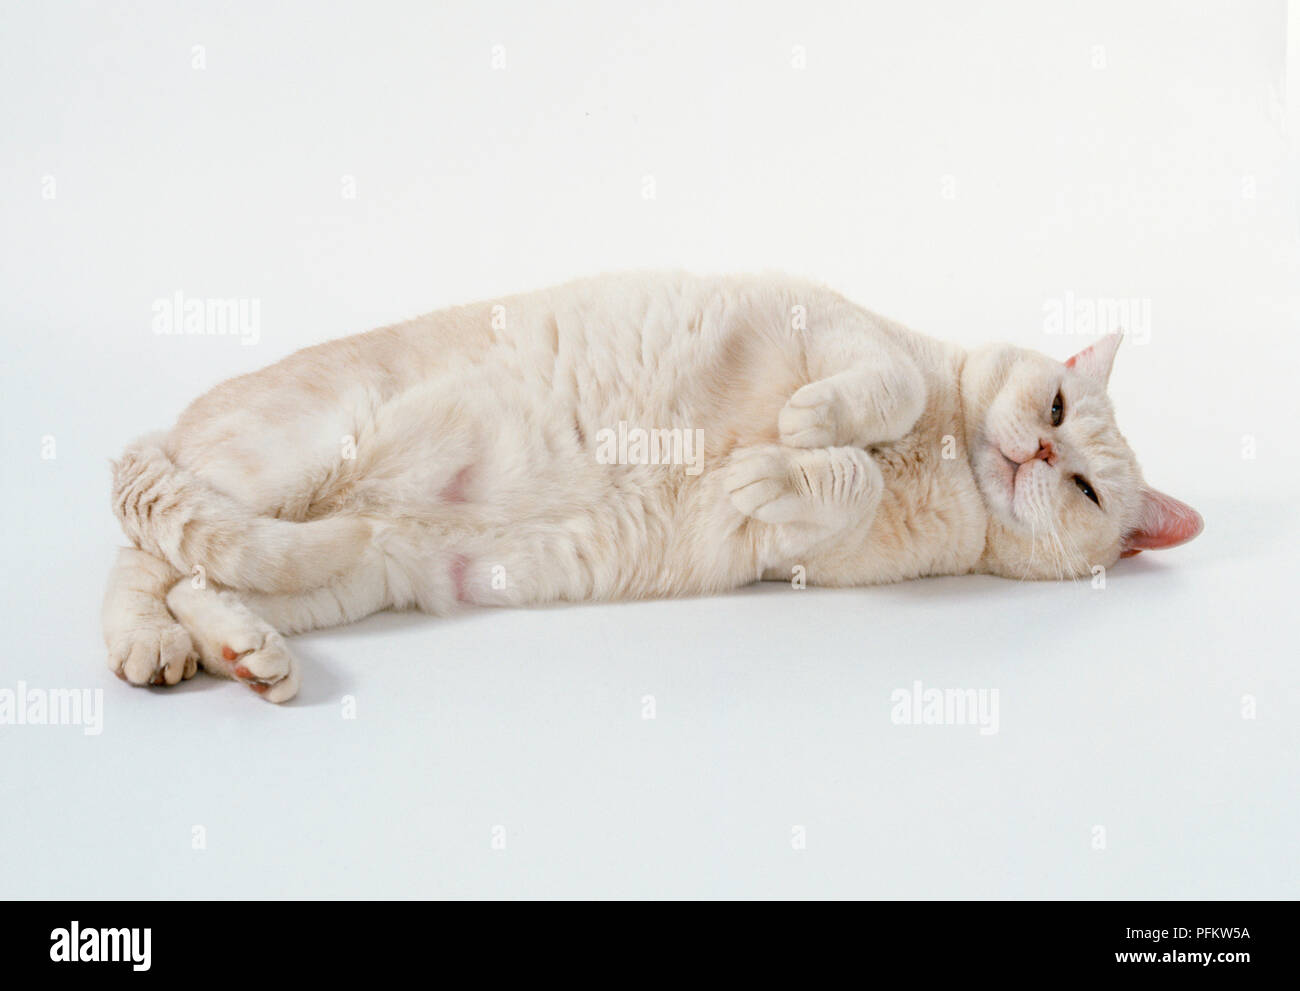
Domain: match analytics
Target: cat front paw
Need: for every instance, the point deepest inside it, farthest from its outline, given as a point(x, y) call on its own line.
point(760, 483)
point(811, 417)
point(830, 488)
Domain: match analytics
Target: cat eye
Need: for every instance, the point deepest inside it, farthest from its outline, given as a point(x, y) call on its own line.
point(1086, 489)
point(1058, 409)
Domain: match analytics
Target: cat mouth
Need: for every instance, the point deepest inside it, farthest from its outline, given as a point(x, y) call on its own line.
point(997, 480)
point(1013, 470)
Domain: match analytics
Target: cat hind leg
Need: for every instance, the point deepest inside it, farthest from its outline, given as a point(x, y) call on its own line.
point(146, 646)
point(233, 641)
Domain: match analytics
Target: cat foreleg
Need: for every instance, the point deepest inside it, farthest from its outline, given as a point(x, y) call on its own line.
point(877, 400)
point(806, 495)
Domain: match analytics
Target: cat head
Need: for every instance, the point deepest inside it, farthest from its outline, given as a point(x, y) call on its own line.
point(1062, 487)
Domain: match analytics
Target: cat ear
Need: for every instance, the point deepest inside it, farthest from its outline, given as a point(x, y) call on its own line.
point(1165, 522)
point(1095, 361)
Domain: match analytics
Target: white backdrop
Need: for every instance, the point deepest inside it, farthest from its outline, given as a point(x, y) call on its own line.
point(969, 171)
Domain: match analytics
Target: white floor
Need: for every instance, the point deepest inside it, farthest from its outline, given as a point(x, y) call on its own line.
point(1120, 708)
point(964, 169)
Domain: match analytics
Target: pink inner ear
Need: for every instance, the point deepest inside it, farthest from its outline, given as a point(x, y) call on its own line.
point(1166, 522)
point(1095, 361)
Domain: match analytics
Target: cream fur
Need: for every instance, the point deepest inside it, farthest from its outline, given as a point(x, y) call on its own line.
point(454, 460)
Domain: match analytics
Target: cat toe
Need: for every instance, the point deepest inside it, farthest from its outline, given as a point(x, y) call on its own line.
point(153, 654)
point(757, 478)
point(808, 419)
point(269, 669)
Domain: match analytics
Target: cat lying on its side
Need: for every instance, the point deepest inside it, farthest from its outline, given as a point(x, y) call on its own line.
point(465, 457)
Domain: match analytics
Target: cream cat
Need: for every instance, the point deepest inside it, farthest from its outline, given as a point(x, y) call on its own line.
point(464, 458)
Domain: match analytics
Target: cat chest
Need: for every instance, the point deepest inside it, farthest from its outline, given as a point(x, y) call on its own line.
point(931, 518)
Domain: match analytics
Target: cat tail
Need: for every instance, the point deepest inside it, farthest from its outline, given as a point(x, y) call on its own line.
point(175, 515)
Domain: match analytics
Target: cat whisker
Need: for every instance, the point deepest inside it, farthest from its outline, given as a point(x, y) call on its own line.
point(1074, 572)
point(1033, 543)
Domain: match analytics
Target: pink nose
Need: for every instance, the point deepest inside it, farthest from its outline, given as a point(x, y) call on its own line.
point(1046, 452)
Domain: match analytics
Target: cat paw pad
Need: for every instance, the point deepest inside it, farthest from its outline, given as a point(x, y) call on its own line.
point(267, 666)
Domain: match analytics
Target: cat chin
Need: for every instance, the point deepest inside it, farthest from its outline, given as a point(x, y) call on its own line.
point(995, 476)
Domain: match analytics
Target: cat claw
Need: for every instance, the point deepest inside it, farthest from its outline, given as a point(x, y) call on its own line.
point(154, 653)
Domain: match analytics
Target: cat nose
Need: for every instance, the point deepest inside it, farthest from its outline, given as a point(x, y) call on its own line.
point(1046, 452)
